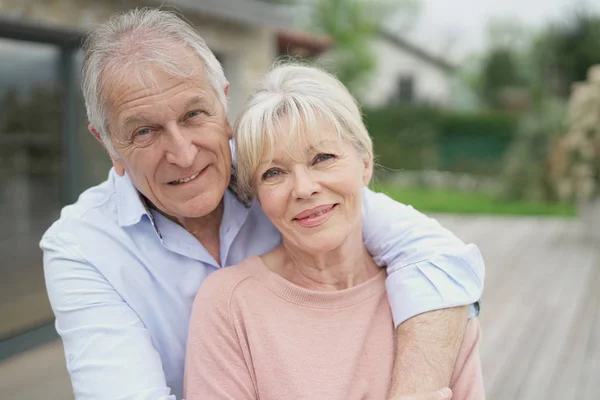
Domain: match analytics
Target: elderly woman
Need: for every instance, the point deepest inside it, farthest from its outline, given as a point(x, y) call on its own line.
point(310, 319)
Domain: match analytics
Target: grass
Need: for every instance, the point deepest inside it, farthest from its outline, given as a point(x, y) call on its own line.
point(447, 201)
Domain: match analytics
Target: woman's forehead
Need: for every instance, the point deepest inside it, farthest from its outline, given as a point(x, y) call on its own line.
point(300, 145)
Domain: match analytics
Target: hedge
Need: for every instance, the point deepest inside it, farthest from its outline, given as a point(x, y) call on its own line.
point(421, 137)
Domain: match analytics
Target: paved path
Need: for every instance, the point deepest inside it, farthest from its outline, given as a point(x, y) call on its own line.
point(540, 316)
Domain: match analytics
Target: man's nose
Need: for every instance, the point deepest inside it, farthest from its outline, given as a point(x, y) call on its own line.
point(305, 184)
point(181, 149)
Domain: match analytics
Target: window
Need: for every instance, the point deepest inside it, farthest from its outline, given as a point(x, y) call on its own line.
point(31, 175)
point(405, 93)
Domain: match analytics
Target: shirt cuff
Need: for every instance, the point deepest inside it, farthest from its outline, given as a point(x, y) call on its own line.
point(441, 282)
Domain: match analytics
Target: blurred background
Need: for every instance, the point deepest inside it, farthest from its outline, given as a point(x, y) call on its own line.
point(484, 114)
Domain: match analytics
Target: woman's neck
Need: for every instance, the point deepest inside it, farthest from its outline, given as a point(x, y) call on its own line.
point(341, 268)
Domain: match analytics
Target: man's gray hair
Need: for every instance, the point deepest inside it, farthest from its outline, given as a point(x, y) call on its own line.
point(140, 36)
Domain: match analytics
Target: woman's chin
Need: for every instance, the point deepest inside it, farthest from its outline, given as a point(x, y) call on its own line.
point(320, 244)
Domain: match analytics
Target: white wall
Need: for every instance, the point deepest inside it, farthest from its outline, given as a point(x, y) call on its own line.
point(431, 82)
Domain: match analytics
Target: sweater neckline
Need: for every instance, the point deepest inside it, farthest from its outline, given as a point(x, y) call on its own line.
point(317, 298)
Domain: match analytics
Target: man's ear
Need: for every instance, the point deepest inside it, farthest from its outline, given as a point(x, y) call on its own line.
point(96, 134)
point(118, 164)
point(228, 128)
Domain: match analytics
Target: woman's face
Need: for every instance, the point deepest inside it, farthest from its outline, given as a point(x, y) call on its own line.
point(315, 197)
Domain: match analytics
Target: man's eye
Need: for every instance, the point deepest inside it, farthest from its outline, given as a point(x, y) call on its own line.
point(323, 157)
point(193, 114)
point(271, 173)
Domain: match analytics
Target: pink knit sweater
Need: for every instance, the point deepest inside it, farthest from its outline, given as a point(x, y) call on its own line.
point(255, 335)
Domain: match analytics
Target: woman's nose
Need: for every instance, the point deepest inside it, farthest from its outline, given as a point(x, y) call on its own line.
point(305, 184)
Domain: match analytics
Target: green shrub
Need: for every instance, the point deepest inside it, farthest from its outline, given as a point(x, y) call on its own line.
point(475, 143)
point(415, 137)
point(404, 137)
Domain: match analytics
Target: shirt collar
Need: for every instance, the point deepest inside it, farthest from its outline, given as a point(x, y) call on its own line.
point(131, 206)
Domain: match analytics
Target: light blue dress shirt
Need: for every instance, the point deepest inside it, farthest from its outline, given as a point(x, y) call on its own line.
point(122, 279)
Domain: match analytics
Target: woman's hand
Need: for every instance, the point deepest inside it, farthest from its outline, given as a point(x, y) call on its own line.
point(442, 394)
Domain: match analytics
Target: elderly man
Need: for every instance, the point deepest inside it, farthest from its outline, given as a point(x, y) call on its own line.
point(124, 263)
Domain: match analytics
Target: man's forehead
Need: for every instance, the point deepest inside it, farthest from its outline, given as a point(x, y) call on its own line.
point(182, 103)
point(175, 66)
point(155, 80)
point(158, 87)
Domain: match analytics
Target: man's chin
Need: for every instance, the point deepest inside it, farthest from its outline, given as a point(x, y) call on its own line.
point(201, 208)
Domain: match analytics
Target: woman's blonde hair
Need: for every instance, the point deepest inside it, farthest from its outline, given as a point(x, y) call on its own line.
point(296, 101)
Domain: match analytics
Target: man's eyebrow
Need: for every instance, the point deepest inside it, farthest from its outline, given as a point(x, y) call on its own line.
point(134, 120)
point(199, 100)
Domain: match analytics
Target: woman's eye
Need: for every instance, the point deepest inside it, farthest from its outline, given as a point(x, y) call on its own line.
point(272, 173)
point(323, 157)
point(143, 132)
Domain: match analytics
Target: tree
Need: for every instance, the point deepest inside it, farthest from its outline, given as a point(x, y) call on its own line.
point(352, 25)
point(502, 66)
point(500, 72)
point(563, 53)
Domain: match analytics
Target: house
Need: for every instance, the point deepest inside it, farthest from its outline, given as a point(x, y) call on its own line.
point(300, 44)
point(403, 71)
point(406, 73)
point(47, 157)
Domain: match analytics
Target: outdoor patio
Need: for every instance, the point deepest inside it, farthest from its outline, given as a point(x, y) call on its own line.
point(540, 315)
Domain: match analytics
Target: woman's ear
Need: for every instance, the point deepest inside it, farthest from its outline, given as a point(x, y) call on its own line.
point(368, 169)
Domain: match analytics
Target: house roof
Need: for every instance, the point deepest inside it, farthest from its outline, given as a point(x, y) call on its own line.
point(251, 12)
point(296, 41)
point(417, 51)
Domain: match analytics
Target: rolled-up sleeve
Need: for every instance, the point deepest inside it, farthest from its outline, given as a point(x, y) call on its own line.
point(428, 267)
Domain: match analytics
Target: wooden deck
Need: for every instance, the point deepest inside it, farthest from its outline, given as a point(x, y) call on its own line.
point(540, 309)
point(540, 315)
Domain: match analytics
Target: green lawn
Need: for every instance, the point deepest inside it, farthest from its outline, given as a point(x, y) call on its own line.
point(447, 201)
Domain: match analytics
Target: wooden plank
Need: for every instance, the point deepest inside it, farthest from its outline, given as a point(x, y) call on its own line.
point(570, 372)
point(540, 318)
point(589, 382)
point(563, 305)
point(523, 322)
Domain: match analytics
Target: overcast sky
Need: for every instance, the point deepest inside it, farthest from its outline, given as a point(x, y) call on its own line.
point(460, 25)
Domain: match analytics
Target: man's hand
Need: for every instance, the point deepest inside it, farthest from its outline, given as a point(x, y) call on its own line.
point(443, 394)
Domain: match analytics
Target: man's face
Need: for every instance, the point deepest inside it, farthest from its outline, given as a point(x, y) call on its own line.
point(172, 138)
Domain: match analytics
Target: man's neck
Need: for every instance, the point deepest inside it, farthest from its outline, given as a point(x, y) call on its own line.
point(206, 230)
